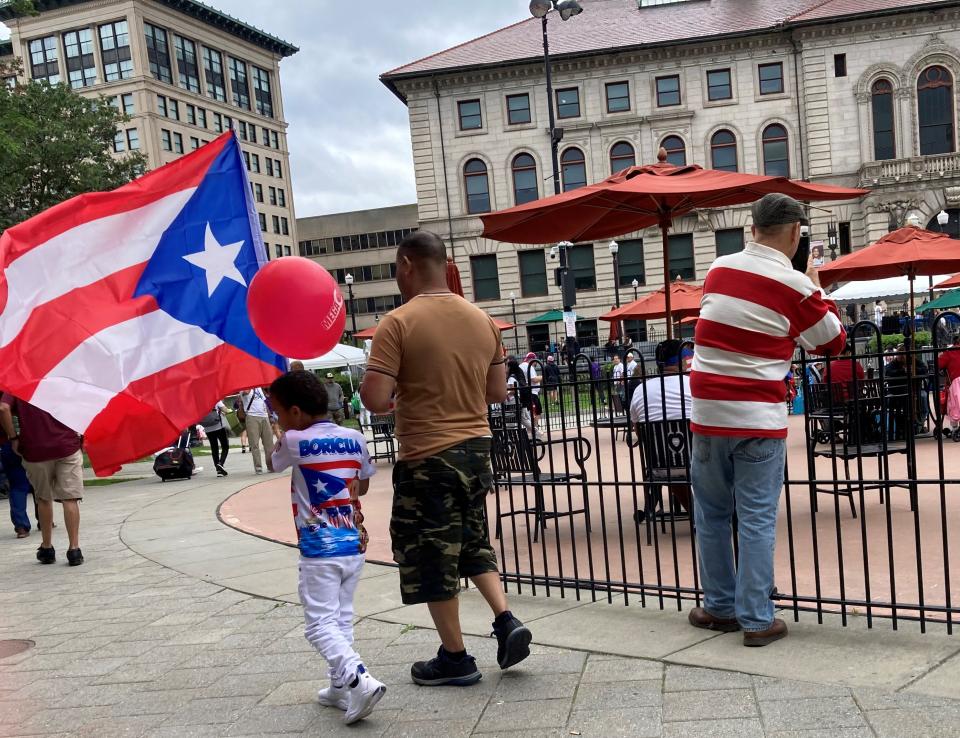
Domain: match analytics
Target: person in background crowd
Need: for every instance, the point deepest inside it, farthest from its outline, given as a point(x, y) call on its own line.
point(791, 384)
point(631, 364)
point(19, 487)
point(296, 366)
point(633, 381)
point(619, 386)
point(443, 476)
point(879, 310)
point(841, 372)
point(518, 394)
point(552, 378)
point(534, 380)
point(54, 465)
point(274, 418)
point(864, 314)
point(815, 372)
point(573, 349)
point(596, 377)
point(739, 416)
point(243, 426)
point(899, 377)
point(686, 356)
point(257, 421)
point(335, 398)
point(949, 362)
point(215, 426)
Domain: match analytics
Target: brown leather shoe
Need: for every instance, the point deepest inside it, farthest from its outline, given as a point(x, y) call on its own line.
point(700, 618)
point(763, 637)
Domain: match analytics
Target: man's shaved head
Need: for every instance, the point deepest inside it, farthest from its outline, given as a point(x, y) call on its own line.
point(424, 246)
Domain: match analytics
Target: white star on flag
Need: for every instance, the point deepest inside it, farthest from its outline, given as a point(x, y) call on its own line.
point(321, 488)
point(217, 261)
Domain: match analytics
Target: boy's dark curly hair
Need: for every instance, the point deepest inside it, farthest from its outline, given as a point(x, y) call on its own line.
point(301, 389)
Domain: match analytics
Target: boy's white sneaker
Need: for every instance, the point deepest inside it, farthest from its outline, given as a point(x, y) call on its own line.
point(333, 696)
point(362, 698)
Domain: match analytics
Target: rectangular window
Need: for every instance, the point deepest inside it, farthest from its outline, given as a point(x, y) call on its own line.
point(263, 92)
point(162, 105)
point(279, 250)
point(187, 68)
point(839, 65)
point(119, 142)
point(202, 117)
point(227, 123)
point(177, 143)
point(158, 52)
point(486, 279)
point(274, 139)
point(246, 159)
point(630, 262)
point(243, 131)
point(133, 139)
point(269, 166)
point(194, 143)
point(580, 264)
point(618, 97)
point(213, 71)
point(469, 114)
point(273, 195)
point(729, 241)
point(719, 86)
point(282, 198)
point(255, 163)
point(263, 222)
point(266, 137)
point(44, 66)
point(174, 109)
point(668, 91)
point(191, 114)
point(276, 224)
point(81, 66)
point(635, 330)
point(277, 169)
point(218, 122)
point(166, 142)
point(771, 78)
point(127, 100)
point(286, 250)
point(568, 103)
point(533, 273)
point(258, 192)
point(518, 109)
point(239, 83)
point(115, 51)
point(680, 246)
point(285, 226)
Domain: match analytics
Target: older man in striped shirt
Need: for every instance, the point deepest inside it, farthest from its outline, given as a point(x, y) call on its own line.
point(756, 309)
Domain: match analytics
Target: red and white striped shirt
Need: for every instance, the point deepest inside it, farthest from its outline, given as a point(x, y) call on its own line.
point(756, 309)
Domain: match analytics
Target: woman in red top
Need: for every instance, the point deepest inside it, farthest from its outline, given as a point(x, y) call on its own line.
point(949, 362)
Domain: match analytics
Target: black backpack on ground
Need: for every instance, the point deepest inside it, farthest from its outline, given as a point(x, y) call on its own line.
point(175, 463)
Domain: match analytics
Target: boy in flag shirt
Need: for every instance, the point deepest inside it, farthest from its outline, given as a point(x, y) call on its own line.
point(331, 469)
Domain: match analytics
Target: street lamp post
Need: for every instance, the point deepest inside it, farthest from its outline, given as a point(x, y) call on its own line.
point(348, 280)
point(636, 286)
point(539, 9)
point(614, 252)
point(516, 330)
point(943, 217)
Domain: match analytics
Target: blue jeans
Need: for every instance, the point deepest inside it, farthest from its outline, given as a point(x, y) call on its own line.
point(742, 475)
point(19, 486)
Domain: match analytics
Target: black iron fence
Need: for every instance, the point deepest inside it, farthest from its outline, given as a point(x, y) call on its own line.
point(589, 504)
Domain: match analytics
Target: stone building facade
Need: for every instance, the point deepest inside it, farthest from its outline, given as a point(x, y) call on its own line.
point(823, 91)
point(183, 72)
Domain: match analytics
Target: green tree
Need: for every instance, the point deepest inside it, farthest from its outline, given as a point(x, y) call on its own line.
point(55, 144)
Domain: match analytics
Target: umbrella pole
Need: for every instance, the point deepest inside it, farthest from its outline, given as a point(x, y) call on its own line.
point(664, 227)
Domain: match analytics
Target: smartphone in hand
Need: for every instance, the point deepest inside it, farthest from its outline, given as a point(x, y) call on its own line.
point(801, 259)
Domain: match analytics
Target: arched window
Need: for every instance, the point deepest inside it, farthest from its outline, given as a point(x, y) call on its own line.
point(676, 150)
point(884, 146)
point(574, 168)
point(622, 156)
point(524, 179)
point(723, 151)
point(776, 156)
point(935, 111)
point(477, 185)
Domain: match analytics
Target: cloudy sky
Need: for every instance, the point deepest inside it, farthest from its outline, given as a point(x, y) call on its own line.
point(349, 138)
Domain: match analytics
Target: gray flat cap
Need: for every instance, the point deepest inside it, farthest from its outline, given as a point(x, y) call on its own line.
point(776, 209)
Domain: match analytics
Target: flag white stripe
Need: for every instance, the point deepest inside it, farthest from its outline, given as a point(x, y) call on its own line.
point(83, 255)
point(85, 382)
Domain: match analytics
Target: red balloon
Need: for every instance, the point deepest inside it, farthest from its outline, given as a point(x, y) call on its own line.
point(296, 308)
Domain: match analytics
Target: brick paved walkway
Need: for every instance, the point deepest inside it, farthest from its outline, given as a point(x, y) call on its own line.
point(127, 647)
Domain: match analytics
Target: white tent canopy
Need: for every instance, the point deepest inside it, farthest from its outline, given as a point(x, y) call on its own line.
point(875, 288)
point(341, 355)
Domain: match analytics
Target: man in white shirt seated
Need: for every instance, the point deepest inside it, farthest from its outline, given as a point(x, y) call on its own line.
point(665, 397)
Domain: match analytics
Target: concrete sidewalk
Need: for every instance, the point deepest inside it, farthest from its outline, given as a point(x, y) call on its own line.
point(178, 625)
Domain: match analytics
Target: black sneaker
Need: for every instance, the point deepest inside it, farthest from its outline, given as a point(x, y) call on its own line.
point(221, 472)
point(74, 556)
point(46, 555)
point(513, 642)
point(444, 670)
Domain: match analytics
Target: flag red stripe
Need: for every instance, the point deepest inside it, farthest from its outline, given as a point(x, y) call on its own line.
point(151, 412)
point(185, 172)
point(327, 465)
point(55, 329)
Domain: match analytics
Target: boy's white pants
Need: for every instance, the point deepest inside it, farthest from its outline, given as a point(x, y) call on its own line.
point(326, 592)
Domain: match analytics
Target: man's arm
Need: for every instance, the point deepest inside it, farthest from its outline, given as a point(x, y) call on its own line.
point(496, 390)
point(376, 391)
point(6, 419)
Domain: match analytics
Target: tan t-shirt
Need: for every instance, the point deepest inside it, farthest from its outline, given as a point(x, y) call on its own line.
point(439, 348)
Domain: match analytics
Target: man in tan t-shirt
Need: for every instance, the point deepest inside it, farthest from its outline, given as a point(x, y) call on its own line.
point(442, 358)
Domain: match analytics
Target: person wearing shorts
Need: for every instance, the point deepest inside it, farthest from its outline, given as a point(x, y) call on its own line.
point(54, 465)
point(438, 529)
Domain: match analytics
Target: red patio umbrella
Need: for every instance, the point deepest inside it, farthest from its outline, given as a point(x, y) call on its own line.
point(614, 331)
point(946, 284)
point(453, 278)
point(906, 252)
point(640, 197)
point(684, 299)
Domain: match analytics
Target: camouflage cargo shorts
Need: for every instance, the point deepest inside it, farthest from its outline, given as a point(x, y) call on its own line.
point(438, 527)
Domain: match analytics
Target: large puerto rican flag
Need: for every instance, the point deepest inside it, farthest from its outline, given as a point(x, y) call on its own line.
point(123, 314)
